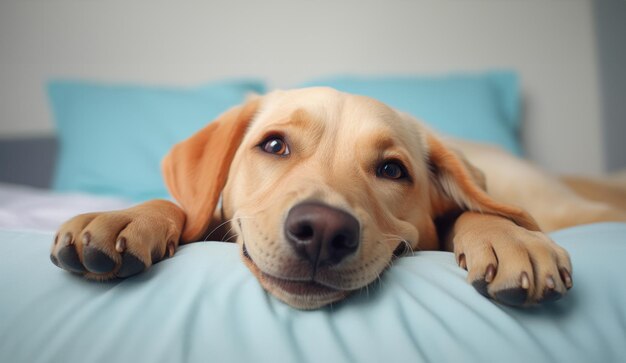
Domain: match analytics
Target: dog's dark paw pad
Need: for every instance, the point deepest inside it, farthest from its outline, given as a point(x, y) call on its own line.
point(157, 255)
point(516, 296)
point(131, 265)
point(97, 261)
point(550, 295)
point(54, 260)
point(68, 259)
point(481, 286)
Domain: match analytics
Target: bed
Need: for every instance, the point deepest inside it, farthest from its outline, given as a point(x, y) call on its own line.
point(204, 305)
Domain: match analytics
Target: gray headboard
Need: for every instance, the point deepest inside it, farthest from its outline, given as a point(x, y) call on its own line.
point(28, 160)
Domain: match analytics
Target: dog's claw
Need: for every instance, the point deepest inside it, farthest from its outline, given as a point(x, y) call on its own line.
point(67, 239)
point(491, 272)
point(481, 284)
point(524, 281)
point(120, 245)
point(550, 295)
point(567, 278)
point(86, 238)
point(549, 292)
point(462, 262)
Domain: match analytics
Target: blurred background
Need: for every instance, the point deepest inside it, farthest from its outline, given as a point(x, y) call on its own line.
point(569, 55)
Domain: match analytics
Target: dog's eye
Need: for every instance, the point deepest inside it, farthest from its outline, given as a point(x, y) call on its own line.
point(275, 145)
point(391, 170)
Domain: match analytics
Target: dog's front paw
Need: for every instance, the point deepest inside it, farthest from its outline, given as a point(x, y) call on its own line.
point(121, 243)
point(513, 265)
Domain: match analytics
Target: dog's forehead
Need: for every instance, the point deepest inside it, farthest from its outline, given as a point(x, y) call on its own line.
point(330, 109)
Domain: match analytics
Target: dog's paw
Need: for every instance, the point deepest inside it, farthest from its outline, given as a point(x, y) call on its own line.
point(121, 243)
point(513, 265)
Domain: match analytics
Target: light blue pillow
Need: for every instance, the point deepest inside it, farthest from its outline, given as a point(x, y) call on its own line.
point(113, 137)
point(204, 305)
point(482, 106)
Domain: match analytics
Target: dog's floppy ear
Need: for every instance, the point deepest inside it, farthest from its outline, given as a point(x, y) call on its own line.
point(196, 169)
point(457, 185)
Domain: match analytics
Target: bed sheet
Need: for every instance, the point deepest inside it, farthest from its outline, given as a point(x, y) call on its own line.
point(28, 208)
point(204, 305)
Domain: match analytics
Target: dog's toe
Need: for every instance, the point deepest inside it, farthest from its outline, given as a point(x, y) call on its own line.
point(516, 296)
point(54, 260)
point(131, 265)
point(551, 290)
point(68, 259)
point(550, 295)
point(97, 261)
point(481, 286)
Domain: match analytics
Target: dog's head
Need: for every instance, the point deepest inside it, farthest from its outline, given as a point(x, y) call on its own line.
point(321, 188)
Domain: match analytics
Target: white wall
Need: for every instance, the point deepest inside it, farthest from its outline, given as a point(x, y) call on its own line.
point(551, 44)
point(610, 28)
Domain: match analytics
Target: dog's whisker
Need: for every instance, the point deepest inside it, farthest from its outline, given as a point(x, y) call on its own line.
point(400, 239)
point(379, 280)
point(224, 238)
point(229, 238)
point(389, 264)
point(206, 238)
point(408, 246)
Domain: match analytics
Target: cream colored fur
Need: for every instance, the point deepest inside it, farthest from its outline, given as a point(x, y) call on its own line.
point(336, 143)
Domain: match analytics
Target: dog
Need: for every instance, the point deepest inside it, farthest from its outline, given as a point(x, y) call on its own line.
point(323, 189)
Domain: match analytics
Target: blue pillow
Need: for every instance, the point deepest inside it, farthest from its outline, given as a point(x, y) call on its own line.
point(204, 305)
point(113, 137)
point(482, 107)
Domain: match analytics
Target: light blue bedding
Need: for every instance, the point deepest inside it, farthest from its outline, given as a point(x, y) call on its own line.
point(112, 137)
point(203, 305)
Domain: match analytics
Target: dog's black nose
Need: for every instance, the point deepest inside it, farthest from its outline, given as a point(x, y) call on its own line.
point(322, 234)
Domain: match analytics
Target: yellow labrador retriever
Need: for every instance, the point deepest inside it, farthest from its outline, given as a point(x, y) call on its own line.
point(323, 188)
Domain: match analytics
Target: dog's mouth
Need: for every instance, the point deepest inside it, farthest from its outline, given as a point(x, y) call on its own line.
point(308, 294)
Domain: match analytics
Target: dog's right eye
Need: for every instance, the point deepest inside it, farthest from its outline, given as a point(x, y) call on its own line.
point(275, 145)
point(393, 170)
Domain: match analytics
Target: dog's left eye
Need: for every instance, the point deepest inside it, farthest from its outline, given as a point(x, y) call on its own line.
point(275, 145)
point(392, 170)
